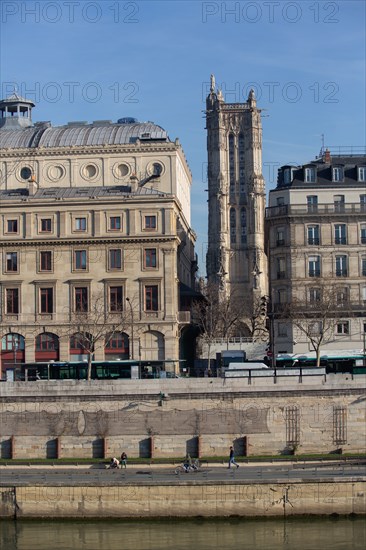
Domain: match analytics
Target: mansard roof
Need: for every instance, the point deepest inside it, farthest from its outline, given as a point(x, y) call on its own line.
point(295, 176)
point(81, 134)
point(62, 193)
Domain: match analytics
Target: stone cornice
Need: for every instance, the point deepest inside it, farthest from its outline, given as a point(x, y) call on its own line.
point(76, 150)
point(67, 241)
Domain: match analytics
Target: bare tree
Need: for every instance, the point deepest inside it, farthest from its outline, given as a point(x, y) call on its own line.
point(221, 315)
point(95, 327)
point(205, 315)
point(316, 316)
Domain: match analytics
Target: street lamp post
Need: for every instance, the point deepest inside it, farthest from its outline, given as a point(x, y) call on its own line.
point(132, 327)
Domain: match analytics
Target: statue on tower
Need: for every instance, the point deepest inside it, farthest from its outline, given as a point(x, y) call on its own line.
point(212, 84)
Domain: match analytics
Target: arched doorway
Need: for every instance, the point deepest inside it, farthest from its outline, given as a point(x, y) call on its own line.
point(47, 347)
point(12, 354)
point(116, 346)
point(152, 346)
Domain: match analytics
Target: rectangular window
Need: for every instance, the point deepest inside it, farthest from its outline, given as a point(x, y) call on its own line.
point(362, 173)
point(310, 174)
point(337, 173)
point(314, 295)
point(280, 239)
point(12, 300)
point(46, 300)
point(45, 263)
point(281, 268)
point(363, 266)
point(150, 258)
point(338, 203)
point(313, 234)
point(115, 223)
point(12, 226)
point(315, 328)
point(80, 224)
point(282, 329)
point(342, 296)
point(46, 225)
point(282, 296)
point(115, 298)
point(363, 203)
point(11, 262)
point(314, 266)
point(364, 294)
point(340, 236)
point(151, 298)
point(343, 327)
point(363, 234)
point(115, 258)
point(81, 299)
point(80, 259)
point(150, 223)
point(341, 266)
point(312, 203)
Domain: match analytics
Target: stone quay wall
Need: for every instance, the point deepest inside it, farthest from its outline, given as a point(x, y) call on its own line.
point(168, 418)
point(346, 496)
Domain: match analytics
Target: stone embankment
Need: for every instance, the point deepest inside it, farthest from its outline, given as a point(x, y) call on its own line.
point(262, 415)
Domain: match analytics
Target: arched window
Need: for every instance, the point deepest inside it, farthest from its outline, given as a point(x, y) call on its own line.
point(241, 165)
point(232, 226)
point(243, 226)
point(12, 351)
point(47, 347)
point(80, 346)
point(116, 346)
point(232, 163)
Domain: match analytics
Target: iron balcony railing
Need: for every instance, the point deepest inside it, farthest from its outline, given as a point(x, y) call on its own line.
point(287, 210)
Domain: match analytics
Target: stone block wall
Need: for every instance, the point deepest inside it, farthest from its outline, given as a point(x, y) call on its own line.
point(96, 420)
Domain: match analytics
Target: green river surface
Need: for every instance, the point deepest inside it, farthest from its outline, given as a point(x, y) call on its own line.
point(301, 533)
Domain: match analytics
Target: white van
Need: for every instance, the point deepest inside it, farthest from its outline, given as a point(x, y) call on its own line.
point(237, 370)
point(247, 366)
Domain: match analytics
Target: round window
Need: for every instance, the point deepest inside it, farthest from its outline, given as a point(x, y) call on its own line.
point(90, 170)
point(55, 172)
point(122, 170)
point(25, 173)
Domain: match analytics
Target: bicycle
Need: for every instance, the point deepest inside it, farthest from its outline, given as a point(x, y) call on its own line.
point(186, 467)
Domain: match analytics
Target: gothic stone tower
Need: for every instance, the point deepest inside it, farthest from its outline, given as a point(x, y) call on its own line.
point(236, 196)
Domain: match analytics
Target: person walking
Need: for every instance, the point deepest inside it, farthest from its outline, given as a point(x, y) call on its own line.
point(124, 460)
point(232, 459)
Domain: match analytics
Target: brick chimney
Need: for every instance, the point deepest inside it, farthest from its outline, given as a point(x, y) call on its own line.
point(326, 157)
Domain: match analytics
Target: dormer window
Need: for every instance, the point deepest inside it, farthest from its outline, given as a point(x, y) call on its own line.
point(288, 175)
point(361, 173)
point(337, 173)
point(310, 174)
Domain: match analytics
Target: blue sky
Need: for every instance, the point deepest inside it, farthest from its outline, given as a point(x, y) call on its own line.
point(86, 60)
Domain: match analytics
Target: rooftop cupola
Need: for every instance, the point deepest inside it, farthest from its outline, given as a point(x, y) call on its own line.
point(15, 112)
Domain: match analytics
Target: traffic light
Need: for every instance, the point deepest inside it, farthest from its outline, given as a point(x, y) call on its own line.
point(263, 306)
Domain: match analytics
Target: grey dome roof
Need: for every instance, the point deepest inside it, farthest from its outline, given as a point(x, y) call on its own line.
point(79, 134)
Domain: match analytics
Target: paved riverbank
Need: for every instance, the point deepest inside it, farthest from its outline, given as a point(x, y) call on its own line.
point(213, 491)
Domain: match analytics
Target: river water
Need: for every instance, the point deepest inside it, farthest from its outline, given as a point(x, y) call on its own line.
point(196, 534)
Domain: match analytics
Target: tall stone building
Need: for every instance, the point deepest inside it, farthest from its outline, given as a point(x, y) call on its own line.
point(88, 211)
point(316, 223)
point(236, 257)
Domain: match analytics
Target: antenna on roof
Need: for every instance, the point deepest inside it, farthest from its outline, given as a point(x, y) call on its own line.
point(322, 148)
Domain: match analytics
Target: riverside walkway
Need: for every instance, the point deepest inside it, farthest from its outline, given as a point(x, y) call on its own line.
point(99, 475)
